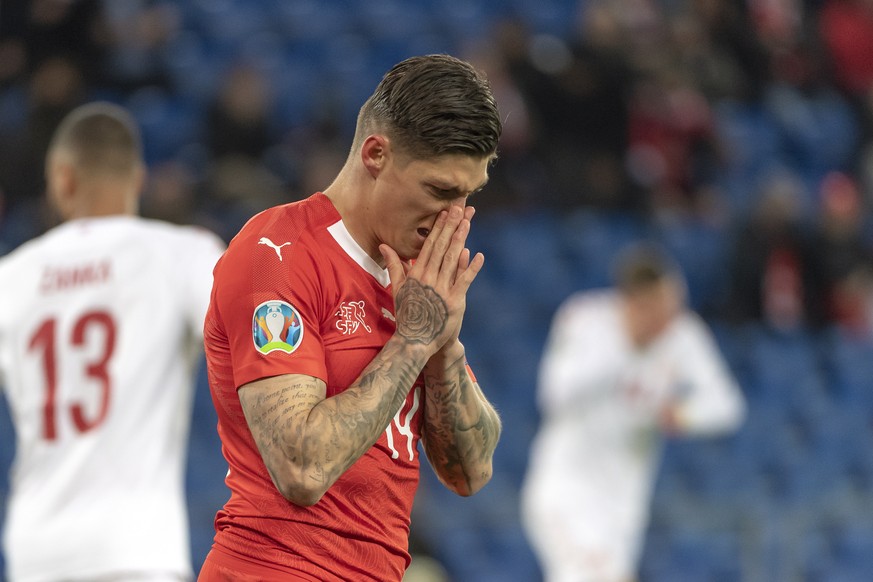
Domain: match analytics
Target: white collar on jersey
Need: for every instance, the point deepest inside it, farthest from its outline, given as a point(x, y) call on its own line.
point(342, 236)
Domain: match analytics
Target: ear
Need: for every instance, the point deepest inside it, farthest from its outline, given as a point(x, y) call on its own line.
point(374, 154)
point(61, 184)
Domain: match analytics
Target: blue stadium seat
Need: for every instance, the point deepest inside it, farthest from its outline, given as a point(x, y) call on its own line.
point(512, 453)
point(7, 451)
point(593, 239)
point(297, 86)
point(730, 480)
point(205, 471)
point(784, 368)
point(13, 110)
point(524, 253)
point(850, 369)
point(313, 19)
point(508, 547)
point(476, 538)
point(167, 122)
point(20, 223)
point(194, 70)
point(463, 19)
point(767, 434)
point(202, 508)
point(751, 138)
point(852, 546)
point(815, 480)
point(462, 551)
point(548, 16)
point(817, 129)
point(688, 554)
point(392, 19)
point(701, 251)
point(228, 23)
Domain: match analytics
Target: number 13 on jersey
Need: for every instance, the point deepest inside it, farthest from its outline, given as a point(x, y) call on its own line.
point(91, 341)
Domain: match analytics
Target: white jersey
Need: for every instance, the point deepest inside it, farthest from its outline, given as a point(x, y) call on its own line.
point(100, 320)
point(585, 498)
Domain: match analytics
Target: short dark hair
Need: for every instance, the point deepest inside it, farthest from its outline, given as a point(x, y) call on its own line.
point(643, 266)
point(433, 105)
point(101, 137)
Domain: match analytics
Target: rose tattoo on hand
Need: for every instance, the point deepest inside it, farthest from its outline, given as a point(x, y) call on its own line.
point(421, 312)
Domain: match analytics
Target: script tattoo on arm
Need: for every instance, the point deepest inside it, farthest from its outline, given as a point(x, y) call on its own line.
point(308, 441)
point(272, 409)
point(421, 312)
point(461, 427)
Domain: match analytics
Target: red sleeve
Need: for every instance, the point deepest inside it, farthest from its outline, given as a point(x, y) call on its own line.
point(270, 311)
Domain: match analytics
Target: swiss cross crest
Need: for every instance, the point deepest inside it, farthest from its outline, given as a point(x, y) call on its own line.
point(350, 317)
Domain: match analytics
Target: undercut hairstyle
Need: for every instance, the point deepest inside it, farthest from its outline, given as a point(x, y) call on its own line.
point(101, 139)
point(433, 105)
point(641, 267)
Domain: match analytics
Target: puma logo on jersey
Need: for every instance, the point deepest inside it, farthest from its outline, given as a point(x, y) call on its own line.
point(278, 248)
point(388, 314)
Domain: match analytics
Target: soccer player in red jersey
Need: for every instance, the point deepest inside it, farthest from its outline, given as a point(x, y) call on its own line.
point(331, 353)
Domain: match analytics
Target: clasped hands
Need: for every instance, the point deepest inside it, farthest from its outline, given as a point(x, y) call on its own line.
point(430, 294)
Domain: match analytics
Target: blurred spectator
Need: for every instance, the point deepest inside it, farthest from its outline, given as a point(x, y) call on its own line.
point(320, 165)
point(817, 124)
point(519, 180)
point(865, 167)
point(238, 133)
point(171, 193)
point(732, 36)
point(846, 27)
point(622, 367)
point(138, 32)
point(673, 147)
point(843, 254)
point(776, 22)
point(53, 90)
point(238, 120)
point(577, 90)
point(772, 271)
point(238, 188)
point(13, 53)
point(39, 30)
point(846, 30)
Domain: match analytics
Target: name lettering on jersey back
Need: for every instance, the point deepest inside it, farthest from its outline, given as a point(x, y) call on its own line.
point(57, 279)
point(350, 317)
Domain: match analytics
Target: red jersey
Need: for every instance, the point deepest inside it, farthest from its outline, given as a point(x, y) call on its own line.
point(294, 294)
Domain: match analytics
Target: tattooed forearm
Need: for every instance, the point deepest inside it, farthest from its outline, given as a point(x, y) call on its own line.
point(421, 312)
point(461, 427)
point(306, 440)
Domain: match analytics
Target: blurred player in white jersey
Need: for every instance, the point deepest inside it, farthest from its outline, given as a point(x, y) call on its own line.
point(622, 368)
point(100, 322)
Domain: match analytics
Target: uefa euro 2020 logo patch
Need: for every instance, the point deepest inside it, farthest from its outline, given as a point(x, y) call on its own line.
point(276, 326)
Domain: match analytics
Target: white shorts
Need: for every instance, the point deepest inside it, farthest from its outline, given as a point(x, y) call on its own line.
point(574, 544)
